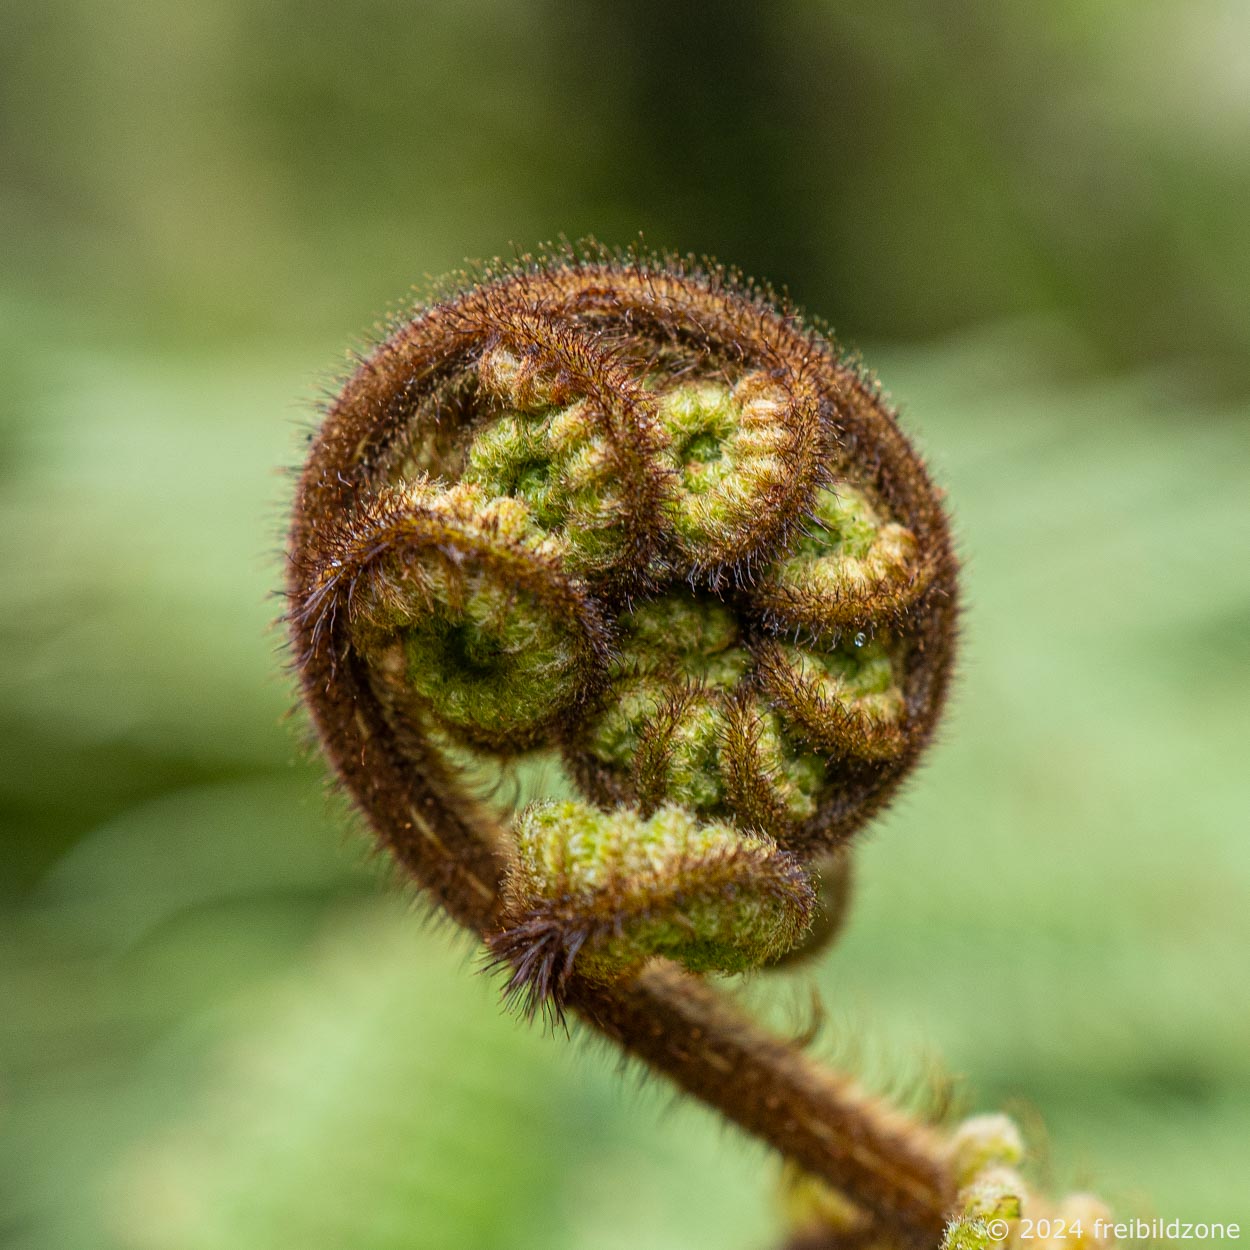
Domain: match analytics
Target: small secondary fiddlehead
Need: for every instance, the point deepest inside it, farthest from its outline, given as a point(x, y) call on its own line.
point(631, 518)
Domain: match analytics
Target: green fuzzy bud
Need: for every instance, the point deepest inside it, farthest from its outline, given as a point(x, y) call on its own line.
point(736, 452)
point(561, 467)
point(992, 1199)
point(984, 1141)
point(850, 566)
point(618, 889)
point(683, 723)
point(848, 701)
point(466, 619)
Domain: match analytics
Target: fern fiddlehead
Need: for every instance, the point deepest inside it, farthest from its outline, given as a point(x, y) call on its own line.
point(633, 518)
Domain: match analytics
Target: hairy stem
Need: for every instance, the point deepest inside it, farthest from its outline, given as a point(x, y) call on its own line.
point(814, 1116)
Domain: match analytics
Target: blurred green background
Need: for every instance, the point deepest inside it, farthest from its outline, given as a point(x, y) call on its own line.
point(222, 1024)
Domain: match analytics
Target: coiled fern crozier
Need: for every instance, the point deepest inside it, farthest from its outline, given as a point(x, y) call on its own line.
point(632, 516)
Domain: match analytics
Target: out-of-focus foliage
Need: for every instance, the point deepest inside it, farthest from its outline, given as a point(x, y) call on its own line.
point(221, 1024)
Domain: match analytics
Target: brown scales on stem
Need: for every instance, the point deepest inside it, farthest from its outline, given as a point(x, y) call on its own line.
point(579, 357)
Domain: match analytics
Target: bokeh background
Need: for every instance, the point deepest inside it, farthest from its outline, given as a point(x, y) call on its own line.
point(222, 1024)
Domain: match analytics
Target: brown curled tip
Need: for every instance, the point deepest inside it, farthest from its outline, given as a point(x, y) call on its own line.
point(538, 953)
point(633, 519)
point(636, 510)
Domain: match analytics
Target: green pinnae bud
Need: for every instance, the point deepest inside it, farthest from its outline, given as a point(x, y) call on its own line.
point(683, 723)
point(700, 419)
point(721, 753)
point(845, 525)
point(467, 619)
point(847, 702)
point(997, 1193)
point(736, 453)
point(984, 1141)
point(849, 567)
point(512, 458)
point(674, 656)
point(666, 718)
point(559, 463)
point(613, 890)
point(989, 1209)
point(972, 1233)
